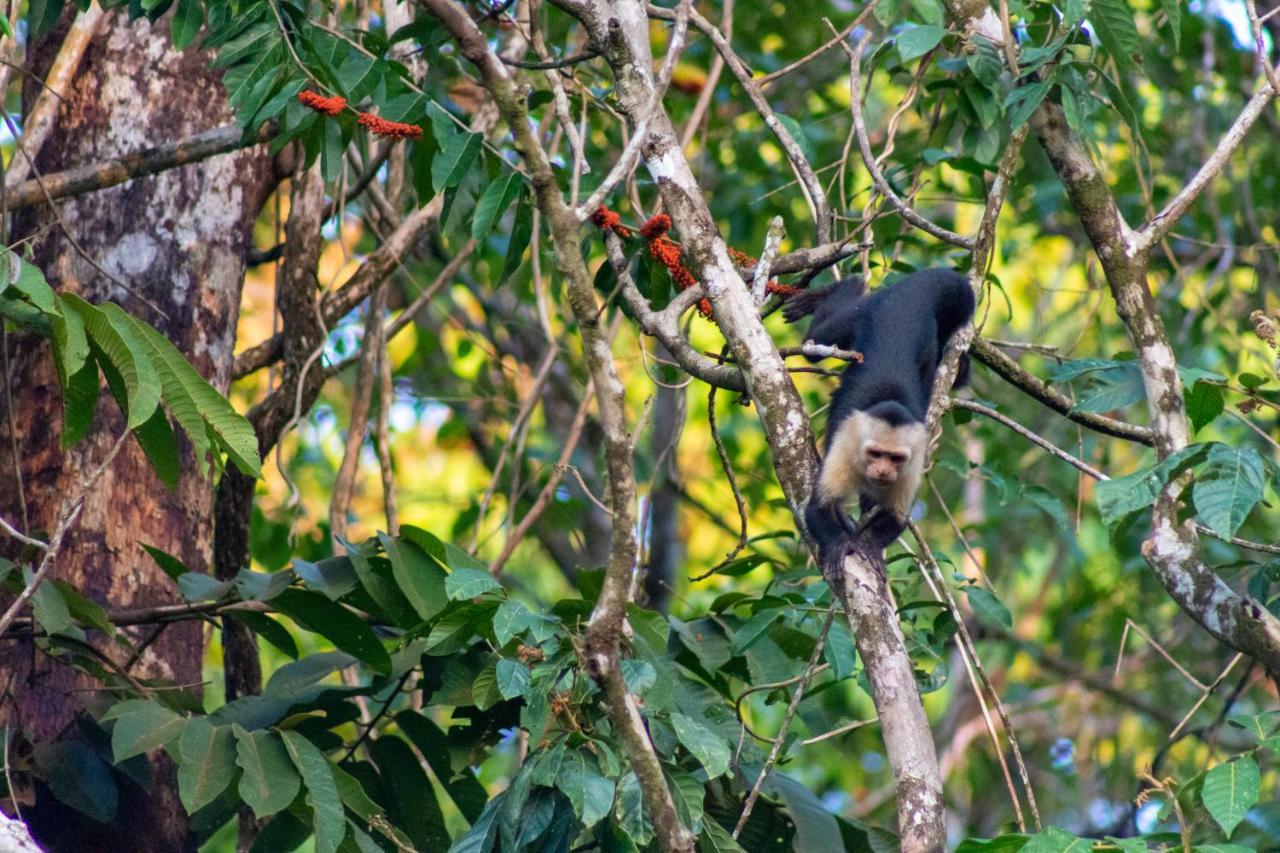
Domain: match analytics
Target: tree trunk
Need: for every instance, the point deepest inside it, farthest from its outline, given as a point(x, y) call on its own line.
point(179, 240)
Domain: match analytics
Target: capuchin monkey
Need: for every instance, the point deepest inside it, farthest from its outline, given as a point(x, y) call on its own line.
point(876, 441)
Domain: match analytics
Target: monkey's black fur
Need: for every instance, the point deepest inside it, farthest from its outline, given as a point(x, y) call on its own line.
point(901, 332)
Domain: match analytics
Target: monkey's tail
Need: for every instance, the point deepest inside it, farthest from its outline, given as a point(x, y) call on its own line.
point(813, 300)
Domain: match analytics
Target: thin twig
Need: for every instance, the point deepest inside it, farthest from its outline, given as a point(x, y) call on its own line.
point(869, 159)
point(66, 519)
point(794, 705)
point(549, 489)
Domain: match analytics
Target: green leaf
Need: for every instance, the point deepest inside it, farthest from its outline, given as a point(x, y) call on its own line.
point(322, 792)
point(172, 566)
point(41, 16)
point(293, 677)
point(495, 201)
point(261, 586)
point(839, 651)
point(630, 812)
point(185, 25)
point(1122, 495)
point(333, 577)
point(521, 234)
point(1204, 404)
point(196, 405)
point(415, 808)
point(378, 579)
point(716, 839)
point(1173, 9)
point(50, 608)
point(207, 762)
point(688, 794)
point(706, 745)
point(141, 726)
point(1113, 20)
point(1230, 789)
point(196, 586)
point(514, 678)
point(1023, 101)
point(355, 798)
point(930, 11)
point(463, 584)
point(268, 629)
point(269, 782)
point(27, 280)
point(484, 690)
point(754, 628)
point(335, 623)
point(1229, 487)
point(420, 576)
point(914, 41)
point(78, 778)
point(84, 610)
point(79, 400)
point(111, 331)
point(452, 632)
point(590, 793)
point(989, 608)
point(512, 618)
point(160, 446)
point(450, 166)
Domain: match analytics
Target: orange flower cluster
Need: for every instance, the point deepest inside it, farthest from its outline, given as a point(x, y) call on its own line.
point(379, 126)
point(608, 220)
point(666, 252)
point(321, 104)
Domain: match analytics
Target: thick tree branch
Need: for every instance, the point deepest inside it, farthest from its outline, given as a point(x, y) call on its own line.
point(1159, 226)
point(338, 303)
point(150, 161)
point(1172, 549)
point(620, 31)
point(823, 218)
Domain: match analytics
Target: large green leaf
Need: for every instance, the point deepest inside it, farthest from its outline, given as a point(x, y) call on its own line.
point(450, 166)
point(420, 576)
point(1229, 487)
point(467, 583)
point(196, 405)
point(590, 793)
point(269, 782)
point(336, 623)
point(916, 40)
point(413, 800)
point(78, 777)
point(495, 201)
point(322, 791)
point(141, 726)
point(706, 745)
point(1117, 31)
point(207, 765)
point(1230, 789)
point(79, 399)
point(186, 23)
point(112, 332)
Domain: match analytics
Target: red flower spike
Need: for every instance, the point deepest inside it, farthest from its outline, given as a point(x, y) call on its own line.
point(379, 126)
point(321, 104)
point(656, 227)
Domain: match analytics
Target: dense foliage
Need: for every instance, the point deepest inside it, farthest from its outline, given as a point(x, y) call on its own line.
point(427, 688)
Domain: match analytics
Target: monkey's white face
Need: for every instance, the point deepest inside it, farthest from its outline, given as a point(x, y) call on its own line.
point(883, 463)
point(870, 456)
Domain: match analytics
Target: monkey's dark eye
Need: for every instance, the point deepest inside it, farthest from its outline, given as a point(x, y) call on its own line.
point(875, 454)
point(898, 458)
